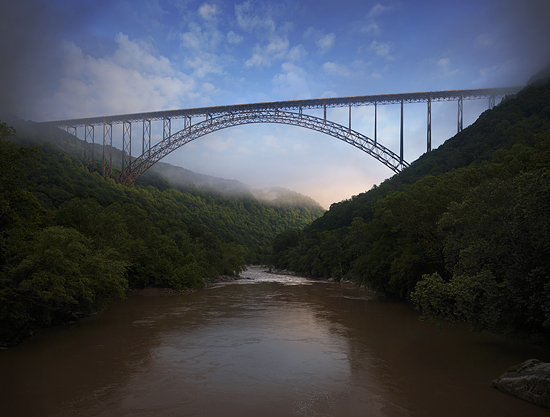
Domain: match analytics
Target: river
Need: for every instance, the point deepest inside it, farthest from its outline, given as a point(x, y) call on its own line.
point(266, 345)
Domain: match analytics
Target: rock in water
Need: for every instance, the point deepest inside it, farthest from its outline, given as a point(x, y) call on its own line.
point(529, 381)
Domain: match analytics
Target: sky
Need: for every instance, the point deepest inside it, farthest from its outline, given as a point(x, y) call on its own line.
point(65, 59)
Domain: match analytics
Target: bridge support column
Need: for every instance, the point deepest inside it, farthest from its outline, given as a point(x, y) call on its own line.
point(324, 111)
point(401, 136)
point(166, 127)
point(460, 114)
point(126, 144)
point(350, 117)
point(429, 128)
point(89, 134)
point(375, 123)
point(108, 134)
point(491, 102)
point(71, 130)
point(146, 143)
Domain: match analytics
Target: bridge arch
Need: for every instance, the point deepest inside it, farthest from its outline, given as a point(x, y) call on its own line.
point(212, 124)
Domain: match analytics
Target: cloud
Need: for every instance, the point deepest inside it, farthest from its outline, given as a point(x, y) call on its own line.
point(233, 38)
point(208, 11)
point(324, 42)
point(382, 49)
point(200, 47)
point(264, 56)
point(132, 79)
point(292, 82)
point(334, 68)
point(297, 52)
point(444, 68)
point(378, 9)
point(371, 26)
point(248, 21)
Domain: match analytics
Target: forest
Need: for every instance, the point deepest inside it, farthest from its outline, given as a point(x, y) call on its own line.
point(463, 233)
point(71, 241)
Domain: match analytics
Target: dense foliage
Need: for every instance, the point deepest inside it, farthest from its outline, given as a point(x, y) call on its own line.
point(71, 241)
point(464, 232)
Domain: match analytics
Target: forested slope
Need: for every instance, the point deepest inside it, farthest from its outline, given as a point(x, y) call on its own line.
point(71, 241)
point(464, 232)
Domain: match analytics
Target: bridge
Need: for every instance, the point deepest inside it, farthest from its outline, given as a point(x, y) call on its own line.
point(291, 112)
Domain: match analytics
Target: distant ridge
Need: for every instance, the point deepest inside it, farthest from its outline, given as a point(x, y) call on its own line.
point(186, 180)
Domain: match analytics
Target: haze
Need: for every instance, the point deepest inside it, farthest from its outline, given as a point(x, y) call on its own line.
point(65, 59)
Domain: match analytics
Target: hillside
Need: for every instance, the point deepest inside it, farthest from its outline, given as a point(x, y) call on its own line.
point(188, 181)
point(71, 241)
point(464, 232)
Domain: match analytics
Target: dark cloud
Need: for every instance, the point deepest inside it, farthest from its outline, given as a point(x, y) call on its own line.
point(26, 36)
point(30, 35)
point(524, 29)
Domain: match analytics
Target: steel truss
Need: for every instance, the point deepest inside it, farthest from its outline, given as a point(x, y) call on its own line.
point(141, 164)
point(285, 112)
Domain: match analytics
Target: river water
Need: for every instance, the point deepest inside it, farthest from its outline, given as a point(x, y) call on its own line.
point(266, 345)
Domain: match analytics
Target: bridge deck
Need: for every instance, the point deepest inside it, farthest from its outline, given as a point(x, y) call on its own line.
point(316, 103)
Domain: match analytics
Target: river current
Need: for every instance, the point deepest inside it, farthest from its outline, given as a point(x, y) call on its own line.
point(265, 345)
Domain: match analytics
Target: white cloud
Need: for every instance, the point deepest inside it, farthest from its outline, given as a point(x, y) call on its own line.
point(207, 11)
point(133, 79)
point(203, 64)
point(324, 42)
point(334, 68)
point(265, 55)
point(444, 67)
point(248, 21)
point(200, 40)
point(297, 52)
point(378, 9)
point(371, 26)
point(381, 49)
point(291, 82)
point(200, 50)
point(233, 38)
point(258, 60)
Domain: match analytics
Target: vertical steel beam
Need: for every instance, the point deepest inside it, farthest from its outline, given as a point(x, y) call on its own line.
point(300, 111)
point(146, 143)
point(325, 111)
point(108, 134)
point(71, 130)
point(460, 114)
point(126, 145)
point(166, 128)
point(401, 136)
point(429, 128)
point(89, 134)
point(491, 102)
point(349, 128)
point(375, 123)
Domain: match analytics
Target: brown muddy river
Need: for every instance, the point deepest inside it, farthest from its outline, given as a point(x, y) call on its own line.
point(265, 346)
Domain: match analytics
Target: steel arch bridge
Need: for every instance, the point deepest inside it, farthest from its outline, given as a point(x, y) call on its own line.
point(282, 112)
point(141, 164)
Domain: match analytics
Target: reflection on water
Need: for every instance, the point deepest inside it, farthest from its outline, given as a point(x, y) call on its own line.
point(266, 345)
